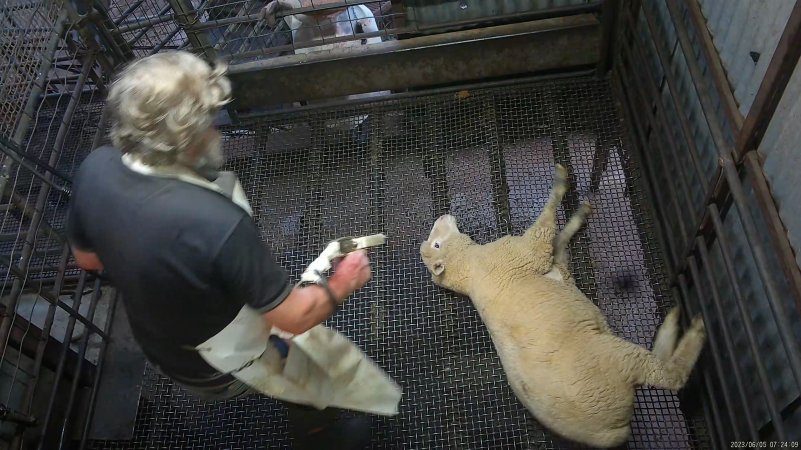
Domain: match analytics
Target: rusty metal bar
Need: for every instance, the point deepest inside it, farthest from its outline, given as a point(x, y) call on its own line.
point(165, 41)
point(143, 30)
point(705, 402)
point(731, 178)
point(506, 50)
point(246, 6)
point(708, 383)
point(30, 388)
point(609, 18)
point(770, 92)
point(559, 11)
point(147, 22)
point(73, 312)
point(727, 339)
point(292, 47)
point(128, 11)
point(704, 96)
point(25, 338)
point(38, 213)
point(745, 317)
point(659, 211)
point(773, 295)
point(429, 91)
point(715, 66)
point(11, 155)
point(714, 349)
point(187, 17)
point(65, 439)
point(10, 147)
point(647, 157)
point(98, 373)
point(776, 229)
point(77, 298)
point(696, 211)
point(246, 18)
point(668, 137)
point(36, 90)
point(684, 124)
point(101, 127)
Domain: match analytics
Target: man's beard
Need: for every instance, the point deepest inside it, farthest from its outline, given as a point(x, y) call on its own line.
point(209, 165)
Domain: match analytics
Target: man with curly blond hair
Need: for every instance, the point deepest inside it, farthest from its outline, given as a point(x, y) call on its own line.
point(154, 213)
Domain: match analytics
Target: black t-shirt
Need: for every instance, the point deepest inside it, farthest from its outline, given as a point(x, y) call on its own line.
point(185, 258)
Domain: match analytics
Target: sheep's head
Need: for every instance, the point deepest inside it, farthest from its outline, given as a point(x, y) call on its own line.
point(442, 254)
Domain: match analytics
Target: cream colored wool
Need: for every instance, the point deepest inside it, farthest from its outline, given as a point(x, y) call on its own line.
point(561, 358)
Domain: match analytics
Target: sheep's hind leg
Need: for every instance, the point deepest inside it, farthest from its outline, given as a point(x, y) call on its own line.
point(563, 239)
point(667, 335)
point(545, 225)
point(673, 372)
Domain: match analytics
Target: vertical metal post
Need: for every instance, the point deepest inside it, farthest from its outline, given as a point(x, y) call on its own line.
point(38, 213)
point(101, 127)
point(30, 388)
point(187, 17)
point(745, 317)
point(500, 187)
point(76, 304)
point(715, 66)
point(609, 17)
point(68, 416)
point(781, 67)
point(715, 347)
point(33, 99)
point(98, 372)
point(436, 170)
point(705, 374)
point(774, 297)
point(727, 339)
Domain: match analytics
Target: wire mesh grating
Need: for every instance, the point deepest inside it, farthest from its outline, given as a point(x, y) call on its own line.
point(393, 167)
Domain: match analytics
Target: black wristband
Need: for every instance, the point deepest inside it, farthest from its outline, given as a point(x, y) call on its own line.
point(323, 283)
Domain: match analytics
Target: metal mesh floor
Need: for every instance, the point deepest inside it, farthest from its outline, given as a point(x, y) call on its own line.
point(486, 156)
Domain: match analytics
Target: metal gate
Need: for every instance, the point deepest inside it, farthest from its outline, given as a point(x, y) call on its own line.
point(684, 211)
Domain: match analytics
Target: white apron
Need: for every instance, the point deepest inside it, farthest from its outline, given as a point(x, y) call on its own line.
point(323, 368)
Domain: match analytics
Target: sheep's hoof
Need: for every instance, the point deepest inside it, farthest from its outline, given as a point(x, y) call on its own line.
point(585, 209)
point(561, 172)
point(697, 325)
point(673, 315)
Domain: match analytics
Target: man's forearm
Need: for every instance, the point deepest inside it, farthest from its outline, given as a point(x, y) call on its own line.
point(307, 307)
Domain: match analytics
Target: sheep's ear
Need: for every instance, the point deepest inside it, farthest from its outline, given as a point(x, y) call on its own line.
point(443, 227)
point(438, 267)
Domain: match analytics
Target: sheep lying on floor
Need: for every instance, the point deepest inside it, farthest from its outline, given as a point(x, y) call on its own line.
point(561, 358)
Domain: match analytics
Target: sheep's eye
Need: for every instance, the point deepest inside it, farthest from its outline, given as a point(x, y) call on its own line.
point(436, 244)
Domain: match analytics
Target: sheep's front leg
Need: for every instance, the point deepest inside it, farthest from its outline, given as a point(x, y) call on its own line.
point(544, 228)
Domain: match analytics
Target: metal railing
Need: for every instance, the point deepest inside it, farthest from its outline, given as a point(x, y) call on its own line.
point(51, 88)
point(692, 229)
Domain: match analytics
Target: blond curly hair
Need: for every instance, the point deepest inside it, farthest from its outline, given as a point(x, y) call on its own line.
point(163, 104)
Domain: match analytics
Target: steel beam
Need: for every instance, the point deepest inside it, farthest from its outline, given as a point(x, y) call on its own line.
point(463, 56)
point(770, 92)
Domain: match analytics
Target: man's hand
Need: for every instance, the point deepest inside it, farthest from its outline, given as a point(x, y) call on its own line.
point(87, 260)
point(308, 306)
point(352, 272)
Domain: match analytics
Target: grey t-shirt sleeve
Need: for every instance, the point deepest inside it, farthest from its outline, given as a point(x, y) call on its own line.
point(248, 271)
point(76, 232)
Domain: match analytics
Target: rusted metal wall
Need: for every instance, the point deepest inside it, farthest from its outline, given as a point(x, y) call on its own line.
point(431, 13)
point(746, 32)
point(690, 98)
point(781, 153)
